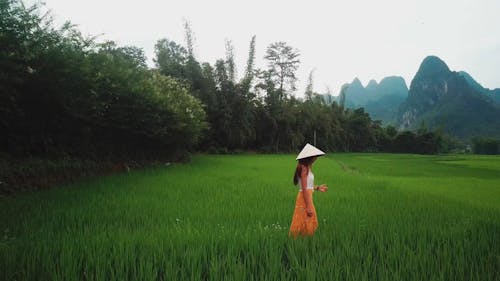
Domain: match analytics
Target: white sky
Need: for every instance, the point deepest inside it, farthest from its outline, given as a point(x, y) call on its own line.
point(340, 39)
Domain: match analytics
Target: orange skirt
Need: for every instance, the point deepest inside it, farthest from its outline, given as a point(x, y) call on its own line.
point(302, 224)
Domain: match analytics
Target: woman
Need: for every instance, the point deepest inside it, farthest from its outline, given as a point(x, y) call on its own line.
point(304, 221)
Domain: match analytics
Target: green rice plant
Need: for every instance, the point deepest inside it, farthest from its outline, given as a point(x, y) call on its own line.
point(226, 217)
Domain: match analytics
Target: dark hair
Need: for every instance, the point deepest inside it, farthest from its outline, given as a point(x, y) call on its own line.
point(302, 164)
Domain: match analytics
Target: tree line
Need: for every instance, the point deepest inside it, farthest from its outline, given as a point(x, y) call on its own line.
point(64, 94)
point(482, 145)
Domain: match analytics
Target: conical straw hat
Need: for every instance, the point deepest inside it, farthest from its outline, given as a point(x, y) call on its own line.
point(309, 151)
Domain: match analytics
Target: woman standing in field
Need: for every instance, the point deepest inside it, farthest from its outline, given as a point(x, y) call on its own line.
point(304, 221)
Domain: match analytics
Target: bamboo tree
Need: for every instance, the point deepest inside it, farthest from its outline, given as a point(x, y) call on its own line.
point(308, 94)
point(249, 70)
point(190, 38)
point(230, 64)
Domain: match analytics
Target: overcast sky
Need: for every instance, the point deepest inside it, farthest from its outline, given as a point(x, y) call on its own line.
point(340, 39)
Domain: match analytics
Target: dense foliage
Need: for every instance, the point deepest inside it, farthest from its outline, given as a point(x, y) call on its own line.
point(486, 146)
point(64, 94)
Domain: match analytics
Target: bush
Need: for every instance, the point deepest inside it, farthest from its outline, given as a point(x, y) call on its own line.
point(486, 146)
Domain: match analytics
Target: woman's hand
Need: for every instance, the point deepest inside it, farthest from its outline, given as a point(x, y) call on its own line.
point(309, 212)
point(323, 188)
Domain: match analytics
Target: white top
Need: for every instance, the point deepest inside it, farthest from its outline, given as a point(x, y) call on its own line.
point(310, 181)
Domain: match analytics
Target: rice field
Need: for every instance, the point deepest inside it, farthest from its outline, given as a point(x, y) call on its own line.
point(226, 217)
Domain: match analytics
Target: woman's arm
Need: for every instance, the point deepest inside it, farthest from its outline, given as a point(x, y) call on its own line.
point(306, 195)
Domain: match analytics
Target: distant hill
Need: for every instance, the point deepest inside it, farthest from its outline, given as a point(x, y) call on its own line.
point(454, 101)
point(356, 95)
point(493, 94)
point(380, 100)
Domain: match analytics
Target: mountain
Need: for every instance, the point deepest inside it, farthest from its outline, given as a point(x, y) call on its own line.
point(393, 85)
point(472, 82)
point(439, 97)
point(493, 94)
point(380, 100)
point(355, 94)
point(371, 87)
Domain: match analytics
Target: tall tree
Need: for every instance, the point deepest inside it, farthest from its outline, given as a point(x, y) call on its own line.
point(249, 70)
point(190, 38)
point(193, 68)
point(328, 97)
point(171, 58)
point(223, 112)
point(308, 94)
point(230, 64)
point(283, 62)
point(342, 95)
